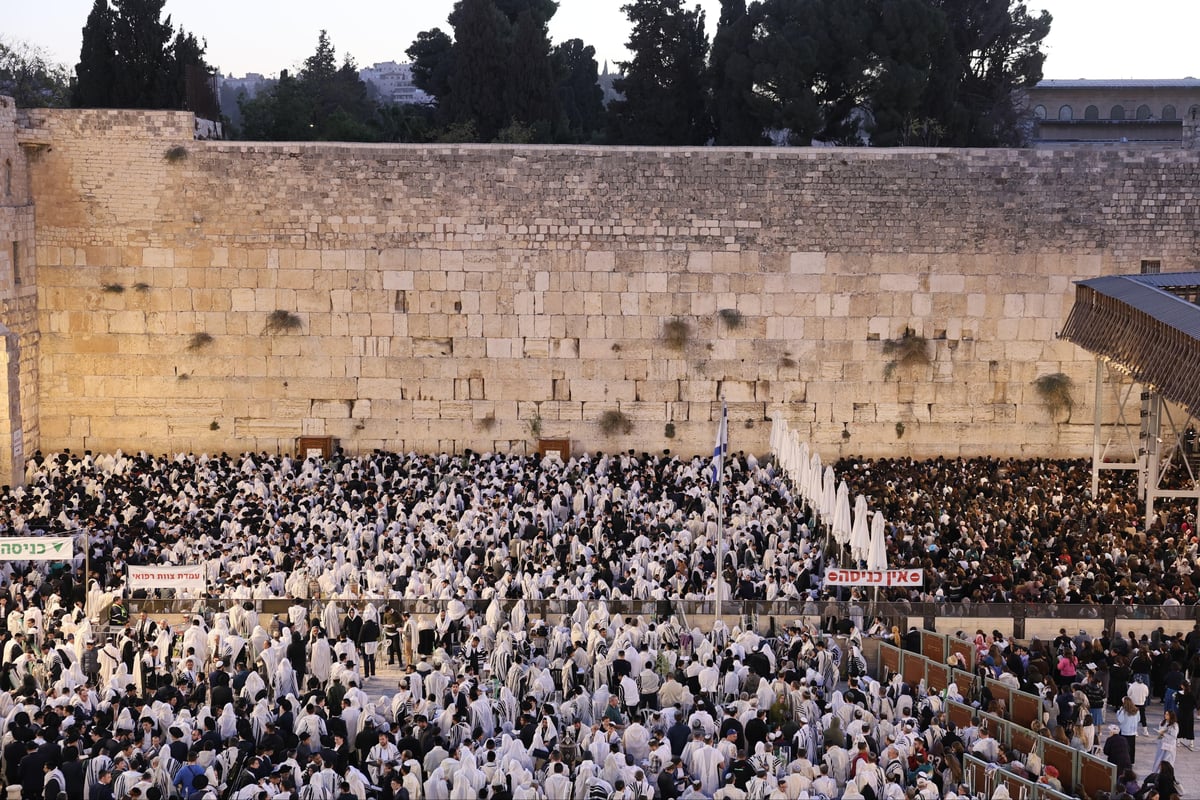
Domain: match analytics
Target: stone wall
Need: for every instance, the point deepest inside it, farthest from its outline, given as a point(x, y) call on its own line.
point(481, 296)
point(18, 303)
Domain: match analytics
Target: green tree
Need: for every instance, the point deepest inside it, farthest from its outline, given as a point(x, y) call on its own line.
point(994, 49)
point(96, 71)
point(477, 73)
point(144, 68)
point(579, 90)
point(29, 77)
point(406, 123)
point(431, 55)
point(498, 72)
point(813, 66)
point(323, 102)
point(531, 87)
point(664, 102)
point(906, 37)
point(735, 111)
point(282, 113)
point(322, 65)
point(192, 78)
point(133, 58)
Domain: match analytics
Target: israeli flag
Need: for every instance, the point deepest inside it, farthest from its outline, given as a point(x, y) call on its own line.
point(722, 445)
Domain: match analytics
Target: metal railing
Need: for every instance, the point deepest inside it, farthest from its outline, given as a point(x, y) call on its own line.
point(781, 612)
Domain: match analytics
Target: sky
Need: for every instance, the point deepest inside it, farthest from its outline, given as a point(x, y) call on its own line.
point(1088, 39)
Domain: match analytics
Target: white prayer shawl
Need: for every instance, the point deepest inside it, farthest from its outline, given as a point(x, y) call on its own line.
point(259, 639)
point(637, 742)
point(320, 660)
point(298, 617)
point(227, 723)
point(706, 764)
point(195, 638)
point(493, 615)
point(284, 680)
point(358, 782)
point(252, 686)
point(436, 787)
point(331, 620)
point(259, 717)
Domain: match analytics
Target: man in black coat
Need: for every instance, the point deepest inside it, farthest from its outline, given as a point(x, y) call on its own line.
point(672, 780)
point(14, 751)
point(73, 771)
point(1116, 750)
point(368, 634)
point(352, 627)
point(30, 773)
point(297, 654)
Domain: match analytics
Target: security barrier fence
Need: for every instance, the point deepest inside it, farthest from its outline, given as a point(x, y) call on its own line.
point(982, 779)
point(1080, 773)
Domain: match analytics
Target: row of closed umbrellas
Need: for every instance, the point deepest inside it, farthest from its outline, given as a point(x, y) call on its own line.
point(830, 498)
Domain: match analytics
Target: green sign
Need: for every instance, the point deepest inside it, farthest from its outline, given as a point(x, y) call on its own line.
point(37, 548)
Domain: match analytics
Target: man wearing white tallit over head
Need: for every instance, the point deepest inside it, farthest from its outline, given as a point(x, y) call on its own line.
point(320, 656)
point(331, 620)
point(284, 680)
point(298, 618)
point(254, 686)
point(274, 653)
point(109, 659)
point(217, 636)
point(196, 639)
point(259, 641)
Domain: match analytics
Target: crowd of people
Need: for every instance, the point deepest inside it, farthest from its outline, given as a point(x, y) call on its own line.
point(506, 706)
point(499, 703)
point(624, 526)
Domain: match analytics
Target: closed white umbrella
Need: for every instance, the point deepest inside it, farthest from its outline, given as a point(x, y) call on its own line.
point(800, 463)
point(860, 531)
point(877, 550)
point(828, 496)
point(812, 483)
point(841, 515)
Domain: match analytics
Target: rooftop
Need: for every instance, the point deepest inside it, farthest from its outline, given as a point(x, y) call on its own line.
point(1126, 83)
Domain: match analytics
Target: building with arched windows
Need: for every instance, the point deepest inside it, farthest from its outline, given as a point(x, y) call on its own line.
point(1113, 112)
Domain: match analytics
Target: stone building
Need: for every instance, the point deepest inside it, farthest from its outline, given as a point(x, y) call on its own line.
point(1145, 113)
point(390, 82)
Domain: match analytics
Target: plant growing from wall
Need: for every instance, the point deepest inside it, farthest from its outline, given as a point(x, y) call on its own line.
point(731, 317)
point(214, 426)
point(676, 333)
point(113, 288)
point(900, 430)
point(909, 350)
point(669, 430)
point(535, 425)
point(142, 286)
point(176, 154)
point(280, 321)
point(613, 422)
point(487, 423)
point(200, 340)
point(1055, 391)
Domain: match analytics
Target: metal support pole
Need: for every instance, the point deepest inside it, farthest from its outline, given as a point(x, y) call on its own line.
point(1097, 414)
point(1152, 428)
